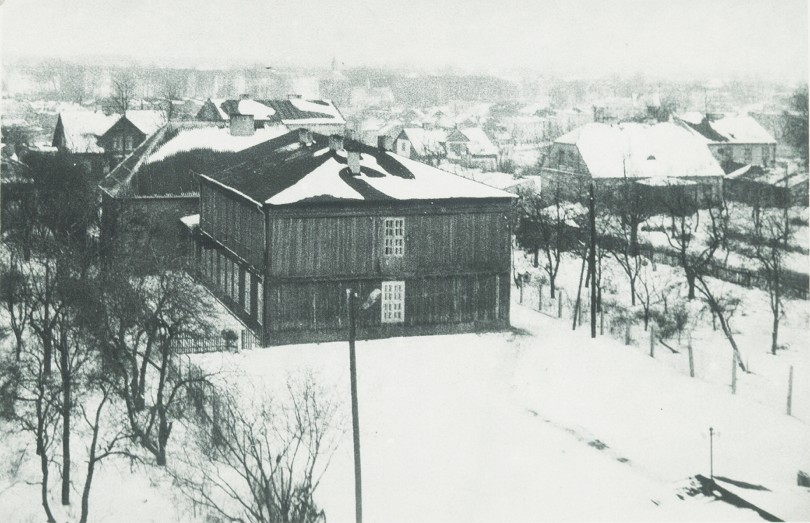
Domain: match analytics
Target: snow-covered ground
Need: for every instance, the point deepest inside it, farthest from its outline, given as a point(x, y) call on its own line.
point(537, 424)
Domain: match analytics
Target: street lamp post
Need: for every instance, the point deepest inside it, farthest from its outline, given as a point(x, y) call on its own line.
point(351, 303)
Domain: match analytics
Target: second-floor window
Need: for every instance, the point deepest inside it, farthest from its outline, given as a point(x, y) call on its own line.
point(118, 143)
point(394, 237)
point(129, 143)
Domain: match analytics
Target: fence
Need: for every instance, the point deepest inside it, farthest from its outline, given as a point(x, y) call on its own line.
point(219, 343)
point(795, 283)
point(680, 350)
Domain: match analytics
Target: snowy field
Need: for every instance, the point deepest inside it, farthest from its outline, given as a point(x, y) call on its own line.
point(538, 424)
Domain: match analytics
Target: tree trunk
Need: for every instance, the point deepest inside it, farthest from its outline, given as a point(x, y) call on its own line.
point(633, 293)
point(536, 259)
point(43, 458)
point(690, 280)
point(66, 400)
point(727, 331)
point(776, 311)
point(163, 436)
point(551, 283)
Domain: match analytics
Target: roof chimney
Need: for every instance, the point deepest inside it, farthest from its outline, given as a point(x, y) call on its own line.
point(244, 96)
point(385, 143)
point(304, 136)
point(242, 125)
point(294, 96)
point(353, 158)
point(335, 142)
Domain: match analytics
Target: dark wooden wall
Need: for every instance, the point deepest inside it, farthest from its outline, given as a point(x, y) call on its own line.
point(453, 241)
point(235, 222)
point(306, 310)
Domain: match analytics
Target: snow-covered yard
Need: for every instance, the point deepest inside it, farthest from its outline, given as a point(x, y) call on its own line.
point(538, 424)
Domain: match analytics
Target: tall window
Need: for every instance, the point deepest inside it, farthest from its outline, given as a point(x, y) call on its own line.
point(128, 143)
point(248, 281)
point(749, 154)
point(393, 301)
point(260, 302)
point(394, 237)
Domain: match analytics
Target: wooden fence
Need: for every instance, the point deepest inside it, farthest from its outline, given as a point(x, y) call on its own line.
point(204, 344)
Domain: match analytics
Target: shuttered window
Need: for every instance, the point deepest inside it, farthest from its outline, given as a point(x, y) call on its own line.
point(393, 301)
point(394, 237)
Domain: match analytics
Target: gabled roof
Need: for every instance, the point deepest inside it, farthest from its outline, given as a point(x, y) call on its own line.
point(168, 162)
point(295, 110)
point(741, 129)
point(82, 130)
point(147, 121)
point(664, 150)
point(283, 171)
point(479, 143)
point(425, 142)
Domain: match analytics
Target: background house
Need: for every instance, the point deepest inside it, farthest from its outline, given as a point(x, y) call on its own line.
point(129, 131)
point(77, 134)
point(471, 147)
point(296, 112)
point(421, 144)
point(160, 179)
point(299, 219)
point(665, 157)
point(735, 140)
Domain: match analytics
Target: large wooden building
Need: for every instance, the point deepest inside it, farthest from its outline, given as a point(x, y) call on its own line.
point(294, 222)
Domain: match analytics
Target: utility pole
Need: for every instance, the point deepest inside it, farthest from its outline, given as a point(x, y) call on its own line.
point(711, 453)
point(351, 303)
point(592, 261)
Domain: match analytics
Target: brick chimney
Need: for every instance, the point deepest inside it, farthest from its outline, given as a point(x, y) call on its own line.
point(242, 125)
point(385, 143)
point(304, 136)
point(335, 142)
point(294, 96)
point(353, 158)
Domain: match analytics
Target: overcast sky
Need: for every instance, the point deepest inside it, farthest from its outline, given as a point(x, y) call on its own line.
point(693, 38)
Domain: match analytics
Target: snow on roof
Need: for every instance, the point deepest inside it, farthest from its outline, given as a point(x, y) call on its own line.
point(641, 151)
point(479, 144)
point(284, 171)
point(425, 183)
point(191, 221)
point(82, 129)
point(213, 138)
point(426, 141)
point(429, 183)
point(317, 106)
point(147, 121)
point(741, 129)
point(323, 181)
point(259, 111)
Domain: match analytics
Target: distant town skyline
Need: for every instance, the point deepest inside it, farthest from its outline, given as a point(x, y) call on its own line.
point(765, 39)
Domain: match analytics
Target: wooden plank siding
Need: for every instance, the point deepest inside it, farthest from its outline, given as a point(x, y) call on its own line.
point(235, 222)
point(307, 311)
point(344, 246)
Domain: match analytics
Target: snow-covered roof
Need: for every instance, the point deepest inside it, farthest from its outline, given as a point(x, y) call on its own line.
point(284, 172)
point(426, 141)
point(479, 143)
point(635, 150)
point(298, 111)
point(82, 129)
point(742, 129)
point(212, 138)
point(147, 121)
point(168, 162)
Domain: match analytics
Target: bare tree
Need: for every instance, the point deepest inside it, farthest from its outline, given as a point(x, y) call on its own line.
point(769, 234)
point(623, 212)
point(545, 223)
point(264, 465)
point(124, 85)
point(15, 297)
point(694, 238)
